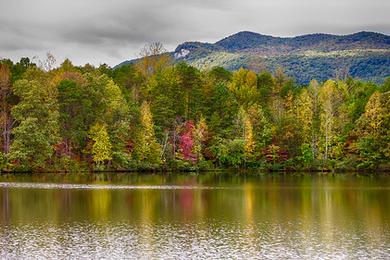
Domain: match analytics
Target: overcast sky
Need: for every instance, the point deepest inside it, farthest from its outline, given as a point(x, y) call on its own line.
point(110, 31)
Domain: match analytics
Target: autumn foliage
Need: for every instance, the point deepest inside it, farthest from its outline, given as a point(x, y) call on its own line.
point(156, 115)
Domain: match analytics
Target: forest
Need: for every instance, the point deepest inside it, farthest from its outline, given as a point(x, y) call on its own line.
point(157, 115)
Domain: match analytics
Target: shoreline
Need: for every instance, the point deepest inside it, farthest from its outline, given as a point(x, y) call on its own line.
point(245, 171)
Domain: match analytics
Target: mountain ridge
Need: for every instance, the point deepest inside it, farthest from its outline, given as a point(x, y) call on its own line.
point(364, 54)
point(261, 39)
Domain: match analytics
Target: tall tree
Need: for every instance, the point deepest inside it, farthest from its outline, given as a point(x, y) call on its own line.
point(190, 83)
point(147, 149)
point(153, 58)
point(75, 108)
point(249, 146)
point(328, 114)
point(5, 113)
point(332, 118)
point(305, 114)
point(37, 117)
point(262, 129)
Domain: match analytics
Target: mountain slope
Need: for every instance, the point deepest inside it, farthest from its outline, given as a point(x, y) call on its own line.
point(364, 55)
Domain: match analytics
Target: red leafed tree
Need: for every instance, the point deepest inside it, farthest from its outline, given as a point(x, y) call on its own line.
point(186, 142)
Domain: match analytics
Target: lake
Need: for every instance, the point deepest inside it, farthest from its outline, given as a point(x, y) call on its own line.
point(186, 216)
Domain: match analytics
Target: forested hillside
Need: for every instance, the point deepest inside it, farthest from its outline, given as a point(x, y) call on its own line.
point(363, 55)
point(159, 114)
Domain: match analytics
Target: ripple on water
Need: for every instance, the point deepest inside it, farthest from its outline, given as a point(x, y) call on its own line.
point(212, 240)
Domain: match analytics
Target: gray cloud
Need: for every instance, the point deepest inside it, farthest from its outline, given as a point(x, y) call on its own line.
point(111, 31)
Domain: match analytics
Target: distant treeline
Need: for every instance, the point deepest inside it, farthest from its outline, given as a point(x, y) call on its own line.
point(156, 115)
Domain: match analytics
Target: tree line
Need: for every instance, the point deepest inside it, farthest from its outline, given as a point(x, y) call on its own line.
point(159, 115)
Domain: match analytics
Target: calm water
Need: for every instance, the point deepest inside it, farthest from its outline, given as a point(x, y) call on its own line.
point(195, 216)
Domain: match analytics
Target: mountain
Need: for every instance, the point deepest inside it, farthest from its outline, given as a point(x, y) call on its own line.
point(364, 55)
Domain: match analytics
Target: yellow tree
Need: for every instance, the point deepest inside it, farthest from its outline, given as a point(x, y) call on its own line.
point(304, 111)
point(306, 116)
point(101, 147)
point(327, 115)
point(199, 135)
point(372, 130)
point(249, 143)
point(313, 91)
point(374, 115)
point(244, 87)
point(333, 116)
point(248, 134)
point(146, 148)
point(153, 58)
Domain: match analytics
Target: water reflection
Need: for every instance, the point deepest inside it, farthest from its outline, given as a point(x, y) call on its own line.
point(209, 215)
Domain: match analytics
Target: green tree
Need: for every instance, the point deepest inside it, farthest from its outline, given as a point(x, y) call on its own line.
point(262, 130)
point(265, 83)
point(37, 116)
point(85, 100)
point(75, 110)
point(307, 116)
point(190, 84)
point(224, 110)
point(229, 152)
